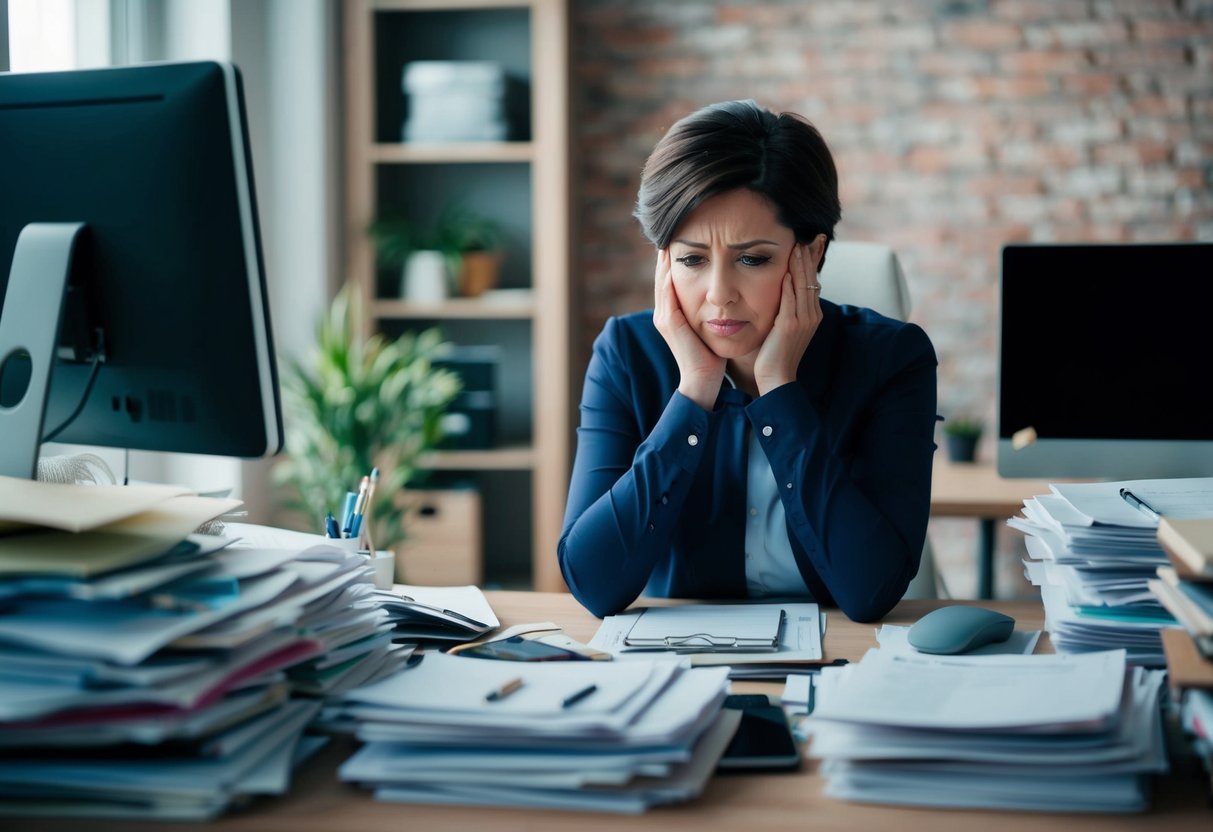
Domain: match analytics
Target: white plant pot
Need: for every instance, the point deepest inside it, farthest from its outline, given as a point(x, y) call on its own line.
point(425, 278)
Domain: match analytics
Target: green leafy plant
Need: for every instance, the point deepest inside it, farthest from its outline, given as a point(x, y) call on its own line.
point(358, 403)
point(460, 230)
point(457, 231)
point(962, 426)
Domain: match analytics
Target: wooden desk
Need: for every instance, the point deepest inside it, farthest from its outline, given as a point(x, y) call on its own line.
point(754, 802)
point(974, 489)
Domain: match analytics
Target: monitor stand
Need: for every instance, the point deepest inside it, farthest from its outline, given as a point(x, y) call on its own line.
point(29, 337)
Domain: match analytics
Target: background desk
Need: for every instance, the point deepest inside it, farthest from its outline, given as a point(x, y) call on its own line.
point(974, 489)
point(753, 802)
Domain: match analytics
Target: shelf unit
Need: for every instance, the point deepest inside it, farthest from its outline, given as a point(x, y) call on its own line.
point(523, 184)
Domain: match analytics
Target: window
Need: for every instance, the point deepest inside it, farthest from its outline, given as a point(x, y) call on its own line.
point(41, 35)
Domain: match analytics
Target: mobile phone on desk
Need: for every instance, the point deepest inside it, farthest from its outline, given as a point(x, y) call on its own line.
point(519, 649)
point(763, 741)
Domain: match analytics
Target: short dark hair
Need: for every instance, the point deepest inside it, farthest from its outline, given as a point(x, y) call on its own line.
point(738, 144)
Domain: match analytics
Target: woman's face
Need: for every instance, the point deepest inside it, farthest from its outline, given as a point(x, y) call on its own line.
point(728, 260)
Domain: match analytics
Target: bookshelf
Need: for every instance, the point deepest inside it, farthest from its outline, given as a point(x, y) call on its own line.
point(522, 184)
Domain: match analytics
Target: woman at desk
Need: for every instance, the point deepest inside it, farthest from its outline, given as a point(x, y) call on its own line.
point(746, 438)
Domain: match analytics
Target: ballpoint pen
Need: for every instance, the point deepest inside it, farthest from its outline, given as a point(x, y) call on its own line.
point(359, 506)
point(505, 690)
point(574, 698)
point(330, 526)
point(1140, 504)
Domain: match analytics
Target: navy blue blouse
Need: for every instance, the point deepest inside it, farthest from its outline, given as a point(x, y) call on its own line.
point(657, 499)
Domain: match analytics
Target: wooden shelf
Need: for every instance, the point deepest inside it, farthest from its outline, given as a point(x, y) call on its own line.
point(451, 153)
point(521, 184)
point(517, 458)
point(465, 308)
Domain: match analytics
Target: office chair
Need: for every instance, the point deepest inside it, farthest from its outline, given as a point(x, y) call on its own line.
point(869, 274)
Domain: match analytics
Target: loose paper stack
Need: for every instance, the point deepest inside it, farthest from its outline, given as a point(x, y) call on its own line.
point(143, 669)
point(1093, 556)
point(649, 732)
point(1046, 733)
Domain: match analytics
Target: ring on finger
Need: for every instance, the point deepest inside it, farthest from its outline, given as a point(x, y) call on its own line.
point(814, 286)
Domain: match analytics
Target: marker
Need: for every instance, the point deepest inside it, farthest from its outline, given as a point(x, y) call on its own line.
point(505, 690)
point(330, 526)
point(574, 698)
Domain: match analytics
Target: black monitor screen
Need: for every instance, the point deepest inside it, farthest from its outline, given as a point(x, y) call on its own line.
point(154, 160)
point(1107, 341)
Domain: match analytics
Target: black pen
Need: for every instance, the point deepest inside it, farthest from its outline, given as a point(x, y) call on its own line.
point(574, 698)
point(1140, 504)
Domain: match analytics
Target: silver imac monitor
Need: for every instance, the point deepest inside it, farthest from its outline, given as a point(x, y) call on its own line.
point(1106, 361)
point(133, 310)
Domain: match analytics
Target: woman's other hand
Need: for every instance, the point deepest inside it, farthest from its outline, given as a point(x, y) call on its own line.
point(795, 324)
point(700, 370)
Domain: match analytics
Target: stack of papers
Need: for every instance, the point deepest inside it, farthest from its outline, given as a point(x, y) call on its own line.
point(1045, 733)
point(756, 641)
point(576, 735)
point(148, 672)
point(440, 615)
point(1093, 554)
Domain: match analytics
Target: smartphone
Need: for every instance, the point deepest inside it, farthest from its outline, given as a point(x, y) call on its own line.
point(763, 740)
point(519, 649)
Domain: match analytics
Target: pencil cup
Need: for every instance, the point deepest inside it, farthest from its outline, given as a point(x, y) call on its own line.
point(348, 544)
point(384, 562)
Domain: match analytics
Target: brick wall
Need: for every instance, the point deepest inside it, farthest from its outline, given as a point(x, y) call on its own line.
point(957, 125)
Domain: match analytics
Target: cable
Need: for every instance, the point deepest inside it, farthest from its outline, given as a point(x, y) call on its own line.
point(88, 388)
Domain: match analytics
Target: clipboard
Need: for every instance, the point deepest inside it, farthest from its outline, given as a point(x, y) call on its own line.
point(708, 628)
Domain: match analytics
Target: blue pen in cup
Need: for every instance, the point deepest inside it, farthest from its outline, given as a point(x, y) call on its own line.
point(330, 526)
point(347, 512)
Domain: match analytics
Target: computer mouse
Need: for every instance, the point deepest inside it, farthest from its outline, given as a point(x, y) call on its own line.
point(958, 629)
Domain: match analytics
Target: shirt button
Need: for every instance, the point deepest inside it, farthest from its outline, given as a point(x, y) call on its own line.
point(767, 430)
point(748, 556)
point(650, 527)
point(664, 499)
point(753, 512)
point(692, 440)
point(789, 485)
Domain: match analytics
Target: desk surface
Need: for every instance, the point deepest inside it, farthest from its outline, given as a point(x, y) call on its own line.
point(974, 489)
point(757, 803)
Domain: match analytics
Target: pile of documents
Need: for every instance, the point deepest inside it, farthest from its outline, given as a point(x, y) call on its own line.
point(1190, 676)
point(600, 736)
point(1093, 552)
point(146, 671)
point(437, 615)
point(756, 641)
point(1047, 733)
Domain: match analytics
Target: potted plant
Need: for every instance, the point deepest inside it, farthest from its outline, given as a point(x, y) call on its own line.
point(360, 403)
point(421, 256)
point(961, 435)
point(473, 242)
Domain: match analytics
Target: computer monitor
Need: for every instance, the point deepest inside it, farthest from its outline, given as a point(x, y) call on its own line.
point(1106, 353)
point(127, 199)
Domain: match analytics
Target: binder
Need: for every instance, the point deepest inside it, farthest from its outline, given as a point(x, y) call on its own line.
point(708, 628)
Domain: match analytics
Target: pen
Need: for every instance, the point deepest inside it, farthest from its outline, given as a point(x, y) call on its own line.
point(574, 698)
point(359, 506)
point(347, 512)
point(330, 526)
point(505, 690)
point(1139, 504)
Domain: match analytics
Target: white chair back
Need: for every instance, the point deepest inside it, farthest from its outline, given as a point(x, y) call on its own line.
point(865, 274)
point(870, 275)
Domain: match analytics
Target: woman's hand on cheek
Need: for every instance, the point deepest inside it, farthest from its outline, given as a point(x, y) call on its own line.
point(795, 324)
point(700, 370)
